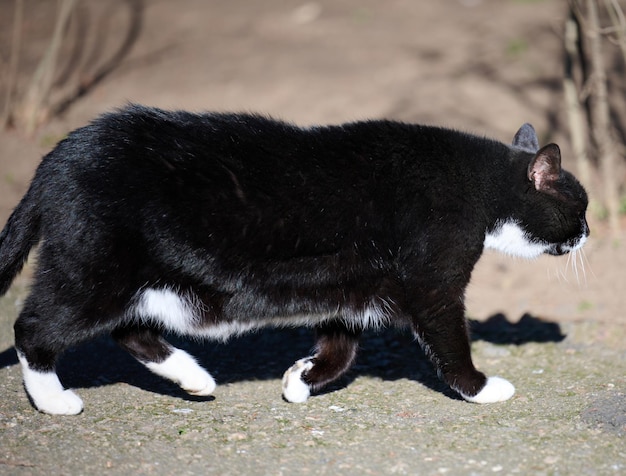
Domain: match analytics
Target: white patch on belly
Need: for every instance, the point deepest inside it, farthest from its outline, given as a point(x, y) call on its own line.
point(166, 308)
point(224, 330)
point(511, 239)
point(375, 316)
point(181, 313)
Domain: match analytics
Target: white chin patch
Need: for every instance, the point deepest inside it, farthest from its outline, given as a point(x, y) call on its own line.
point(579, 244)
point(509, 238)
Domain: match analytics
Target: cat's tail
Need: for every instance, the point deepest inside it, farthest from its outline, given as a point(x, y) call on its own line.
point(19, 235)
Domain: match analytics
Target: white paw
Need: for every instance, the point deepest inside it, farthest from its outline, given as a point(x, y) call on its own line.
point(495, 390)
point(183, 369)
point(201, 384)
point(47, 393)
point(295, 390)
point(64, 403)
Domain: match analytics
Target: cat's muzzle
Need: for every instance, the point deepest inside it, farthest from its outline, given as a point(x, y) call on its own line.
point(569, 246)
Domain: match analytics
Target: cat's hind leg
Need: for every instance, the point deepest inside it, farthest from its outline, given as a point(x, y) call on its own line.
point(152, 350)
point(37, 349)
point(336, 348)
point(46, 391)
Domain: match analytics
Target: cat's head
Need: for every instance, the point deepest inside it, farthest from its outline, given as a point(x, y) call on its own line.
point(548, 210)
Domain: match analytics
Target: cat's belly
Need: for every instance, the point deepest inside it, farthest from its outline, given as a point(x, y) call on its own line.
point(185, 313)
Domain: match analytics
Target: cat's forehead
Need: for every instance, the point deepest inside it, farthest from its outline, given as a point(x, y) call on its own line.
point(572, 188)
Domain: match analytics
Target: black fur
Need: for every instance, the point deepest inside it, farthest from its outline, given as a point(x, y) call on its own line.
point(261, 220)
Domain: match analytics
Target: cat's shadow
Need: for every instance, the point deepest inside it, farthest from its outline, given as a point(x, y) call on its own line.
point(265, 355)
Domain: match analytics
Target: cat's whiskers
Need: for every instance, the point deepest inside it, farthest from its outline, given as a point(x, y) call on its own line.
point(578, 257)
point(568, 265)
point(561, 272)
point(577, 263)
point(576, 268)
point(584, 264)
point(557, 274)
point(585, 260)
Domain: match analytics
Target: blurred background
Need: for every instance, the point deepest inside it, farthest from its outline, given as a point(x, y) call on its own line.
point(483, 66)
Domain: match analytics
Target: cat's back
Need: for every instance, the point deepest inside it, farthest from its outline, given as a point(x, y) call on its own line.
point(154, 146)
point(165, 143)
point(148, 169)
point(138, 152)
point(140, 136)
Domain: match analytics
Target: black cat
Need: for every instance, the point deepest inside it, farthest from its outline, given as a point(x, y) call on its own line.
point(210, 225)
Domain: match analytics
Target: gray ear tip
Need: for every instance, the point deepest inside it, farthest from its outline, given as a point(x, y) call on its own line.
point(526, 138)
point(527, 129)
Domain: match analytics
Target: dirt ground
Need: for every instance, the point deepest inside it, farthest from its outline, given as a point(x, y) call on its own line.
point(484, 66)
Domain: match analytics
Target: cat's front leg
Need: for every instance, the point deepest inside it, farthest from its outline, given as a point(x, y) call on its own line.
point(444, 336)
point(496, 389)
point(336, 348)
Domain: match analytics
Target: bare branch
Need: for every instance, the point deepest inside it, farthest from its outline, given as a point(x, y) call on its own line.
point(600, 118)
point(32, 111)
point(11, 75)
point(619, 24)
point(576, 117)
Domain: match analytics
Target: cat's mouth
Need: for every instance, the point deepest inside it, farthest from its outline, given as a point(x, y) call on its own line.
point(558, 250)
point(564, 248)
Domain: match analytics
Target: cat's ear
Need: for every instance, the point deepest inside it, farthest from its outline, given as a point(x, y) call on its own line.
point(526, 139)
point(545, 167)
